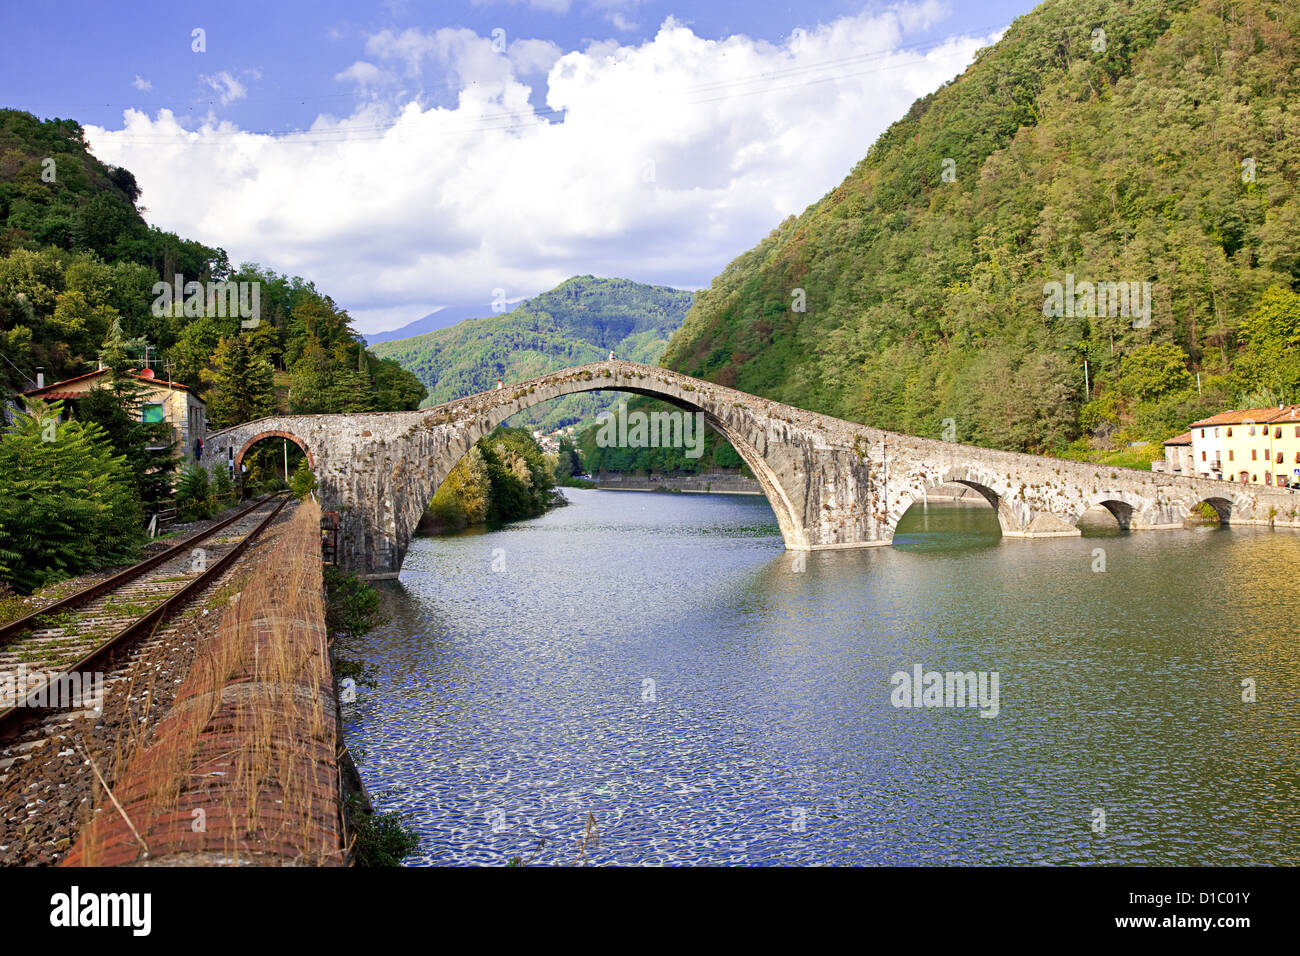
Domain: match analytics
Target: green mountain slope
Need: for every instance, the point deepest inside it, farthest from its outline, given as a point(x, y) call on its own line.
point(1133, 141)
point(581, 320)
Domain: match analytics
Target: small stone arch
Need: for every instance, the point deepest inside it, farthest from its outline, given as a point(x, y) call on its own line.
point(262, 436)
point(1010, 521)
point(1122, 507)
point(1221, 506)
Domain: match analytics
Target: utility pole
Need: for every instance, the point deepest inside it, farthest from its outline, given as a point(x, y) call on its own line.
point(286, 459)
point(1087, 388)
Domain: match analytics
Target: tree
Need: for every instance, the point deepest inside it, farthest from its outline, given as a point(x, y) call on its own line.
point(567, 463)
point(146, 446)
point(1151, 372)
point(303, 482)
point(66, 501)
point(520, 475)
point(462, 498)
point(1275, 323)
point(396, 389)
point(309, 393)
point(1270, 360)
point(193, 352)
point(242, 384)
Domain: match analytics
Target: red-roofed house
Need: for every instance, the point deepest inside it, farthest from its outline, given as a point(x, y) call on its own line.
point(162, 401)
point(1259, 446)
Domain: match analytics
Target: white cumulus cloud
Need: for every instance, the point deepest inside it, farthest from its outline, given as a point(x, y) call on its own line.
point(659, 161)
point(226, 85)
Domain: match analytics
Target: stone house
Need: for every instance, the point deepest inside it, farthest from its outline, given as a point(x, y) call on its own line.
point(161, 401)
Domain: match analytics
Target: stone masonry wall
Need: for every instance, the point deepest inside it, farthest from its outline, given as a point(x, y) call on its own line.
point(831, 483)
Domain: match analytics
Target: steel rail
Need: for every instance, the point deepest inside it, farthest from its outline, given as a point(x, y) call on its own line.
point(87, 595)
point(143, 624)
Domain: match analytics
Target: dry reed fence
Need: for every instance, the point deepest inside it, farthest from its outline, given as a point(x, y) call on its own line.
point(244, 769)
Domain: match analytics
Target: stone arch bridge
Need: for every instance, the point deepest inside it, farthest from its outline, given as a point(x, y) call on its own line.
point(831, 483)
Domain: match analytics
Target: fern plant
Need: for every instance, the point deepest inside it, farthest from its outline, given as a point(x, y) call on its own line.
point(303, 483)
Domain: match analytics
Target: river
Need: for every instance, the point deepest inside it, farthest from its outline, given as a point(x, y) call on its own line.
point(661, 663)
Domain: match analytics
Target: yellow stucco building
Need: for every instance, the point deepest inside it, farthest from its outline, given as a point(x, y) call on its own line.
point(1259, 446)
point(1284, 437)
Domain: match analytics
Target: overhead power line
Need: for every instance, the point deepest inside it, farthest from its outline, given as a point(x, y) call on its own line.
point(690, 95)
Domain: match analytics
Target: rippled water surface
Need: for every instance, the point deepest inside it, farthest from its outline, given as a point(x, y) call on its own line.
point(658, 662)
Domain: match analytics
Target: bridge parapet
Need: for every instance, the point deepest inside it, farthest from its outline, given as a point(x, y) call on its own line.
point(832, 483)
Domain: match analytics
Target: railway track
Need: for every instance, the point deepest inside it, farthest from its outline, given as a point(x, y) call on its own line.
point(52, 657)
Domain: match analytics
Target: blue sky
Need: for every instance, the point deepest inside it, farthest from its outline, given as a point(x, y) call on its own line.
point(407, 155)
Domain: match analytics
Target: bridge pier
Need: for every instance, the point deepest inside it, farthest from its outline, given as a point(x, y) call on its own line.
point(1045, 525)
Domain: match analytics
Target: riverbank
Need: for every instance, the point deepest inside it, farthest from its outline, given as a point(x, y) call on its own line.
point(715, 484)
point(434, 525)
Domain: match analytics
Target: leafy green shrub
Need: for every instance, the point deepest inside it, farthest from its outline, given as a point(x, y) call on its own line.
point(383, 839)
point(194, 495)
point(66, 501)
point(351, 605)
point(223, 488)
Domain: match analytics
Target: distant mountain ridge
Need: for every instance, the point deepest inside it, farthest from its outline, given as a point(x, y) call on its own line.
point(442, 319)
point(581, 320)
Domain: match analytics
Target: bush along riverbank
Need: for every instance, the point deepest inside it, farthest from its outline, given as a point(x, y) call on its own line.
point(505, 477)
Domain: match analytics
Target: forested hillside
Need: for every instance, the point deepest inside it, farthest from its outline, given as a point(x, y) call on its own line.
point(581, 320)
point(1124, 141)
point(76, 255)
point(78, 270)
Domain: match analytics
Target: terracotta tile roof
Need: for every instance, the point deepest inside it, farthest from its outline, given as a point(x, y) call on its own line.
point(54, 391)
point(44, 389)
point(1289, 414)
point(1258, 416)
point(162, 381)
point(1184, 439)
